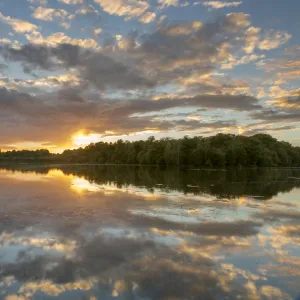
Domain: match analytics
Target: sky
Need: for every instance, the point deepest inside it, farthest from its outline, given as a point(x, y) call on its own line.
point(74, 72)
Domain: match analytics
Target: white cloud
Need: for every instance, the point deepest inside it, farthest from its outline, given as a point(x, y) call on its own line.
point(261, 93)
point(18, 25)
point(219, 4)
point(251, 39)
point(60, 38)
point(147, 17)
point(183, 29)
point(5, 41)
point(239, 20)
point(40, 2)
point(233, 61)
point(97, 31)
point(166, 3)
point(274, 39)
point(276, 91)
point(72, 17)
point(48, 14)
point(267, 41)
point(14, 44)
point(72, 2)
point(118, 37)
point(48, 82)
point(65, 25)
point(89, 9)
point(127, 8)
point(293, 74)
point(271, 292)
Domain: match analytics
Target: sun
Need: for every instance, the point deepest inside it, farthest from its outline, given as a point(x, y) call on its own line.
point(81, 139)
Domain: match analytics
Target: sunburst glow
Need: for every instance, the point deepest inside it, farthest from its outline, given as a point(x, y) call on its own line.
point(80, 139)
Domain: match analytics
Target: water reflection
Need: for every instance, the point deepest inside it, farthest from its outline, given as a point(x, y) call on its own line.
point(86, 232)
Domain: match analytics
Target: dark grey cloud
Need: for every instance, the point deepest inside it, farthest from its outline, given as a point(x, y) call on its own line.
point(59, 114)
point(29, 54)
point(3, 67)
point(13, 99)
point(130, 70)
point(142, 61)
point(275, 214)
point(97, 68)
point(276, 116)
point(251, 131)
point(168, 53)
point(284, 109)
point(237, 228)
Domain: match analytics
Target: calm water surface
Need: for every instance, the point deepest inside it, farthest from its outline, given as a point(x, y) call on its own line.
point(87, 232)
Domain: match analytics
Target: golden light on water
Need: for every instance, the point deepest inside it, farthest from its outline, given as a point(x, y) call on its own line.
point(80, 185)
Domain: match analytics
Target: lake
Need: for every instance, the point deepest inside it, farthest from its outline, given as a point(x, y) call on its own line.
point(105, 232)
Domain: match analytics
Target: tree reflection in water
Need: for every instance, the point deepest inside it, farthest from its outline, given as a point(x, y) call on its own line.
point(103, 232)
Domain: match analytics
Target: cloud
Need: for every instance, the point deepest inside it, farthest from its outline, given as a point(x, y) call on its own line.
point(48, 14)
point(290, 100)
point(72, 2)
point(14, 297)
point(233, 61)
point(59, 38)
point(47, 82)
point(272, 292)
point(273, 40)
point(262, 128)
point(237, 21)
point(72, 109)
point(255, 39)
point(18, 25)
point(178, 49)
point(293, 74)
point(176, 63)
point(65, 25)
point(252, 39)
point(40, 2)
point(281, 63)
point(293, 50)
point(219, 4)
point(275, 116)
point(147, 17)
point(5, 41)
point(185, 28)
point(97, 68)
point(166, 3)
point(163, 56)
point(285, 107)
point(3, 66)
point(247, 228)
point(86, 10)
point(188, 251)
point(97, 31)
point(127, 8)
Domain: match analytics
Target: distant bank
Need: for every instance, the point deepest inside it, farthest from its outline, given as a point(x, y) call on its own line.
point(219, 151)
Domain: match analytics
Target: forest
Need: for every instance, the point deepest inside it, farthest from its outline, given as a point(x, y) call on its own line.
point(219, 151)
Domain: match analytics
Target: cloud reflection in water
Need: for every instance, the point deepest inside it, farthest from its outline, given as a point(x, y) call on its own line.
point(187, 244)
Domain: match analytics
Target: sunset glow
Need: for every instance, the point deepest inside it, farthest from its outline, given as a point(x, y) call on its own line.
point(80, 139)
point(68, 78)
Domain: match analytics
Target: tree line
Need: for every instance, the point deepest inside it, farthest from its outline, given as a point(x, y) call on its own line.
point(219, 151)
